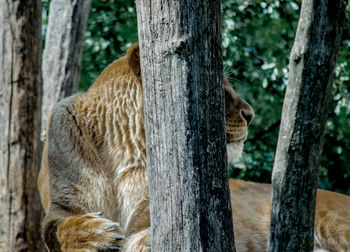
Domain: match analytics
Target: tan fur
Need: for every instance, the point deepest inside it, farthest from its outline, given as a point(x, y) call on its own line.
point(251, 207)
point(93, 179)
point(43, 179)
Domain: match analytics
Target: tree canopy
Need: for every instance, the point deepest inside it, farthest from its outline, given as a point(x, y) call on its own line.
point(257, 40)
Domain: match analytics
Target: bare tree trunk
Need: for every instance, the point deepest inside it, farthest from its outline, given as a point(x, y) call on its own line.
point(20, 98)
point(62, 53)
point(181, 62)
point(304, 116)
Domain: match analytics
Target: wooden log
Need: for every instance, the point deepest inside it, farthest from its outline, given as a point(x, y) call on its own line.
point(20, 100)
point(182, 74)
point(62, 54)
point(305, 109)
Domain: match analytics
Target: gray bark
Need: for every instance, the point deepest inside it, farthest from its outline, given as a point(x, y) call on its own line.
point(304, 116)
point(20, 98)
point(62, 54)
point(181, 62)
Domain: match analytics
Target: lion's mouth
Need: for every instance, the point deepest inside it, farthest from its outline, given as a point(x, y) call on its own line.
point(236, 137)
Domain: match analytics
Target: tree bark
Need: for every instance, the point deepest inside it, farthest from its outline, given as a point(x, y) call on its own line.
point(182, 74)
point(304, 116)
point(62, 54)
point(20, 100)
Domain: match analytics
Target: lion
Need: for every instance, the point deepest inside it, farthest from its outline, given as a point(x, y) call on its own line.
point(93, 178)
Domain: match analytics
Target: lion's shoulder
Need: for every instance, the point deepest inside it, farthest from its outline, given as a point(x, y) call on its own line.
point(124, 68)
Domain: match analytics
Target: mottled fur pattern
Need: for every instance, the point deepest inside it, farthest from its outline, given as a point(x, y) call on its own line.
point(93, 180)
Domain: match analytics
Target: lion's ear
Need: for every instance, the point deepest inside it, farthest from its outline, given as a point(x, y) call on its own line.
point(133, 57)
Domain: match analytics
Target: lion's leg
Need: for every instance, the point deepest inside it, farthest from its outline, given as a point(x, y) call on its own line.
point(138, 228)
point(140, 241)
point(79, 187)
point(332, 232)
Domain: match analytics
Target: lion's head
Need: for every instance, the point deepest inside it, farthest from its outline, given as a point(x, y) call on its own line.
point(239, 114)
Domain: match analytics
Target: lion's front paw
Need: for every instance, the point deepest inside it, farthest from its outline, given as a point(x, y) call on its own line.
point(89, 232)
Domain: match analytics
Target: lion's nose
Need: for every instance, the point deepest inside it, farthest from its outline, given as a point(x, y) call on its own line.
point(247, 116)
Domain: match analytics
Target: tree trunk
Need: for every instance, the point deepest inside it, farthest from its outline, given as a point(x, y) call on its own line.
point(62, 53)
point(20, 99)
point(182, 74)
point(304, 116)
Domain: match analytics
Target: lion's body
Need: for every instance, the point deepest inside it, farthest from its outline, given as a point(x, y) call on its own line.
point(95, 155)
point(251, 206)
point(93, 180)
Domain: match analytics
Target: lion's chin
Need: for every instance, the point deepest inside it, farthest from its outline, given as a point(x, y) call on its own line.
point(234, 152)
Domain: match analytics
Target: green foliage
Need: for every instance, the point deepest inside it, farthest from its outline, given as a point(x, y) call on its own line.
point(257, 40)
point(45, 17)
point(111, 29)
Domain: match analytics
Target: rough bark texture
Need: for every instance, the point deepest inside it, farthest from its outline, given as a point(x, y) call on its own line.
point(62, 53)
point(20, 98)
point(181, 64)
point(304, 115)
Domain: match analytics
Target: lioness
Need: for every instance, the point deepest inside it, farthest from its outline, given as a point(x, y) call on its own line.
point(93, 179)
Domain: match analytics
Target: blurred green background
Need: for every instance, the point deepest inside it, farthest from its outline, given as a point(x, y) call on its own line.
point(257, 40)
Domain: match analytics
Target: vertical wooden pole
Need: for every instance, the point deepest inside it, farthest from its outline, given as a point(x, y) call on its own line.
point(304, 116)
point(181, 64)
point(20, 100)
point(62, 54)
